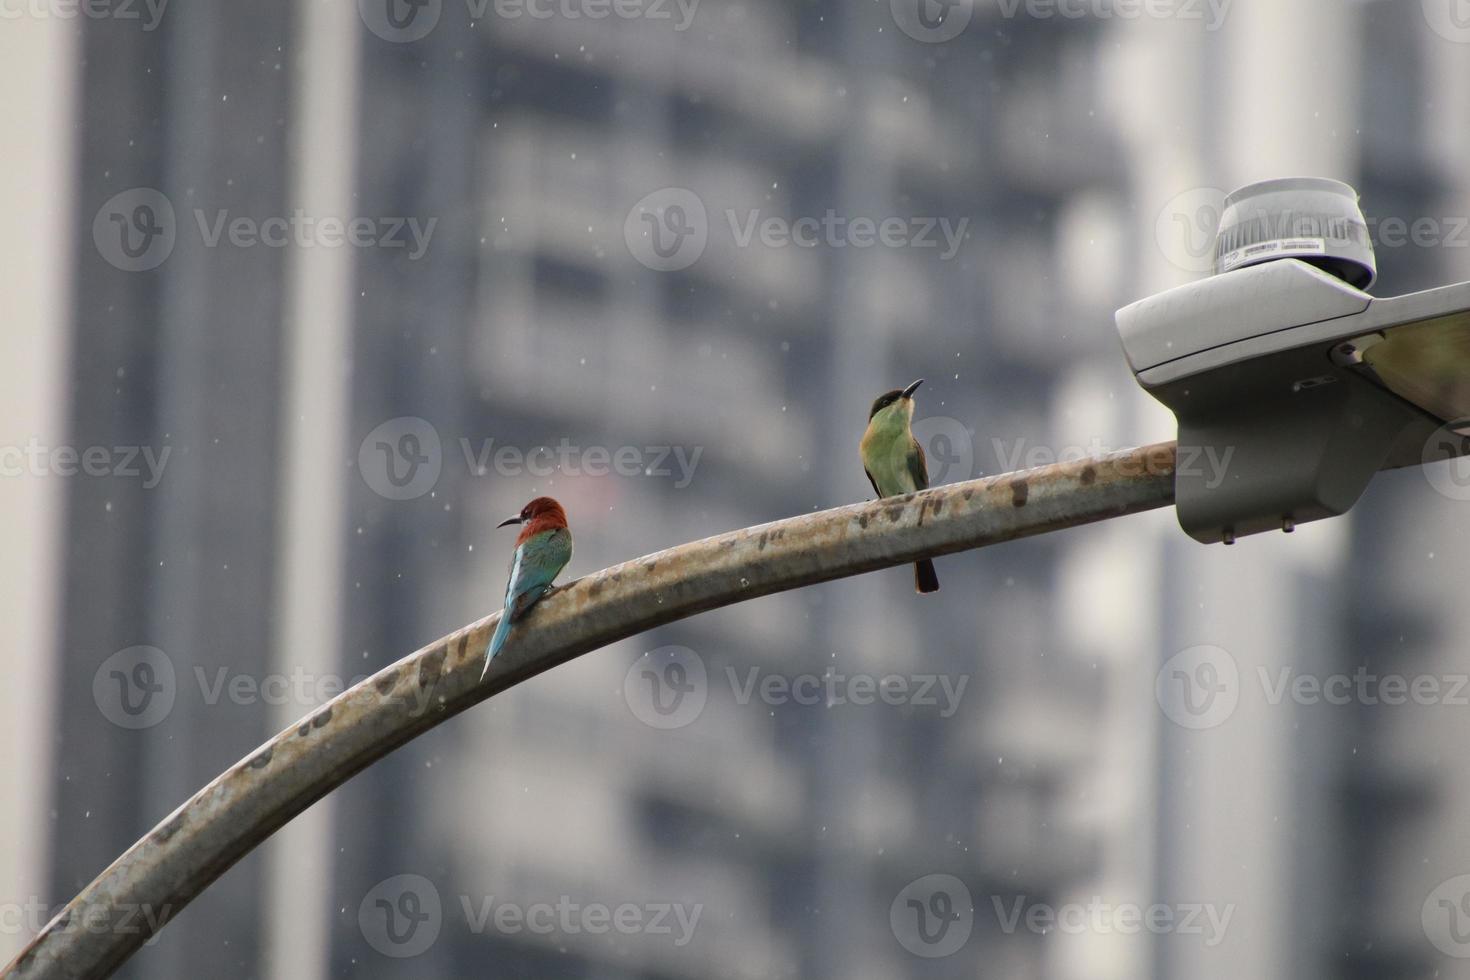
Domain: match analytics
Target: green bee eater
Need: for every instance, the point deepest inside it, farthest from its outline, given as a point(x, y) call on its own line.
point(894, 460)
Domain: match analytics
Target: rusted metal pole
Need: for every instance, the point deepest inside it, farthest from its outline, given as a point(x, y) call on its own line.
point(161, 873)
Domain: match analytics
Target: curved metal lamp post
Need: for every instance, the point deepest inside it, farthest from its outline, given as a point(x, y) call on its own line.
point(240, 808)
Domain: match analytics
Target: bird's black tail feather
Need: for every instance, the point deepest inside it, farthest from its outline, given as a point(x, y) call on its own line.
point(925, 578)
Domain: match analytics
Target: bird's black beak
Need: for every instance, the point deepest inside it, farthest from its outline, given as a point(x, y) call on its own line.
point(514, 520)
point(909, 391)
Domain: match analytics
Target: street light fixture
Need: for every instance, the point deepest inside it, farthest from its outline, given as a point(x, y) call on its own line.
point(1283, 368)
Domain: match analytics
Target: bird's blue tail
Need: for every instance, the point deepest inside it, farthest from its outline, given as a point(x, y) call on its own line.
point(502, 630)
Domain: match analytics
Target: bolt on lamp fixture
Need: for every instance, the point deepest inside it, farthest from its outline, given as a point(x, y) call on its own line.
point(1282, 366)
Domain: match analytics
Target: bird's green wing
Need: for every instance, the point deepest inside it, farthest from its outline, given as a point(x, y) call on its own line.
point(551, 549)
point(918, 465)
point(872, 481)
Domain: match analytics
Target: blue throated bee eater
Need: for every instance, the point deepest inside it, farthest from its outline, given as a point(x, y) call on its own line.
point(543, 549)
